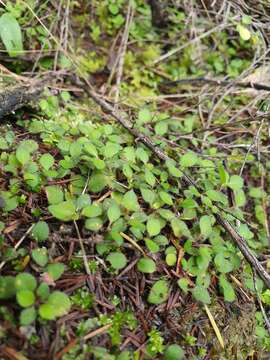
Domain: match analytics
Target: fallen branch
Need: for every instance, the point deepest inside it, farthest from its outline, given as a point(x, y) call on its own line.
point(237, 238)
point(18, 96)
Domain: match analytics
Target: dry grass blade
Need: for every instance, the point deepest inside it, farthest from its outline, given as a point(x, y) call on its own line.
point(133, 243)
point(215, 327)
point(96, 332)
point(122, 50)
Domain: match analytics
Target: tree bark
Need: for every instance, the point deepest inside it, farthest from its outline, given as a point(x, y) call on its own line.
point(18, 96)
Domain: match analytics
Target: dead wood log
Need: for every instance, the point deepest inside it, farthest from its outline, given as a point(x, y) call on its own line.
point(18, 96)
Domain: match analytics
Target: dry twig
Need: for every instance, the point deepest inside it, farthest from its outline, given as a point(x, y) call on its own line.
point(122, 51)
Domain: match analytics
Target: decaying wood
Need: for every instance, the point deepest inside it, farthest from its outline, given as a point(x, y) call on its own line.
point(187, 180)
point(16, 97)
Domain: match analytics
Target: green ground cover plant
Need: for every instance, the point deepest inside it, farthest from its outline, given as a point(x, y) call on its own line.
point(105, 252)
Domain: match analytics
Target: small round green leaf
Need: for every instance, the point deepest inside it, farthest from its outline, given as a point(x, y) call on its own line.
point(244, 33)
point(161, 128)
point(7, 287)
point(56, 270)
point(43, 291)
point(25, 281)
point(217, 196)
point(153, 226)
point(200, 293)
point(40, 231)
point(97, 182)
point(146, 265)
point(152, 246)
point(117, 260)
point(92, 211)
point(142, 155)
point(61, 303)
point(54, 194)
point(25, 298)
point(111, 149)
point(46, 311)
point(114, 212)
point(90, 149)
point(28, 316)
point(130, 201)
point(188, 204)
point(148, 195)
point(174, 352)
point(159, 292)
point(183, 283)
point(83, 201)
point(22, 155)
point(46, 161)
point(40, 256)
point(75, 149)
point(171, 259)
point(179, 227)
point(227, 288)
point(165, 197)
point(236, 182)
point(144, 116)
point(188, 159)
point(206, 225)
point(94, 224)
point(65, 211)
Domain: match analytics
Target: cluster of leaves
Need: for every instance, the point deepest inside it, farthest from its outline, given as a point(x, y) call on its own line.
point(89, 171)
point(30, 296)
point(143, 198)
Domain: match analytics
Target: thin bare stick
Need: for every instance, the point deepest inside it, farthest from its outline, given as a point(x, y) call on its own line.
point(255, 140)
point(122, 51)
point(265, 317)
point(86, 265)
point(242, 85)
point(96, 332)
point(85, 262)
point(193, 41)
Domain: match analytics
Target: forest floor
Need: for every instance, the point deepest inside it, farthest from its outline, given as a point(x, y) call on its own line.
point(135, 189)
